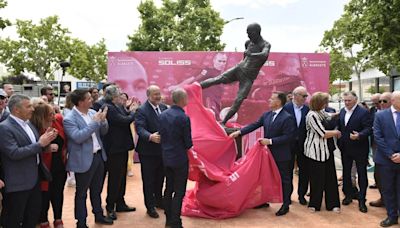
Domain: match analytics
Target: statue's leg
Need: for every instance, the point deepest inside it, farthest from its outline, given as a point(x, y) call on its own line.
point(244, 90)
point(226, 77)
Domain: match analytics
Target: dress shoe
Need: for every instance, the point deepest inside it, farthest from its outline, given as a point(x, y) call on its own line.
point(45, 225)
point(153, 213)
point(103, 220)
point(111, 214)
point(81, 225)
point(302, 201)
point(377, 203)
point(282, 211)
point(58, 223)
point(125, 208)
point(389, 222)
point(264, 205)
point(362, 207)
point(346, 201)
point(373, 186)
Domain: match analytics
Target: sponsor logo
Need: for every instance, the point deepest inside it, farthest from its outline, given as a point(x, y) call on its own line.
point(170, 62)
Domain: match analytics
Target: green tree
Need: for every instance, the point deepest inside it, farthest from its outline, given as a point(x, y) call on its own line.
point(379, 23)
point(343, 41)
point(41, 47)
point(3, 22)
point(181, 25)
point(89, 62)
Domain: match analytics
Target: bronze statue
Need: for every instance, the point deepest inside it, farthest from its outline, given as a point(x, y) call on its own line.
point(257, 51)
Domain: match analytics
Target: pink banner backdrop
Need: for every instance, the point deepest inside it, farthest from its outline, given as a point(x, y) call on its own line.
point(135, 71)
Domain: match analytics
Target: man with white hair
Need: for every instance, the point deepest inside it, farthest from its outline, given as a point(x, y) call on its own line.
point(387, 157)
point(298, 109)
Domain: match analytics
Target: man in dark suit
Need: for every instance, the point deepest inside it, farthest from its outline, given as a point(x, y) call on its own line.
point(387, 157)
point(279, 128)
point(20, 146)
point(117, 142)
point(3, 106)
point(299, 110)
point(86, 155)
point(100, 102)
point(176, 140)
point(355, 125)
point(149, 149)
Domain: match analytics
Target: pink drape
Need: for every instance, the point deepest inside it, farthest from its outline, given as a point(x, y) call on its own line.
point(224, 187)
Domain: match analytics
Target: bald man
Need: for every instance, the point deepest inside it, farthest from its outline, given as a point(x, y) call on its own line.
point(385, 100)
point(387, 157)
point(149, 149)
point(298, 110)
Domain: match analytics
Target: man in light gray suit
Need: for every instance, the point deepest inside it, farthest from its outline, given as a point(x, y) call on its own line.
point(20, 146)
point(86, 154)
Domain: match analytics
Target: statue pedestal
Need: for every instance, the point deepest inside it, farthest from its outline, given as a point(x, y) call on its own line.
point(238, 141)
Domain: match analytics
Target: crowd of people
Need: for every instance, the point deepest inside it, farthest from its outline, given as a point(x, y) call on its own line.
point(42, 146)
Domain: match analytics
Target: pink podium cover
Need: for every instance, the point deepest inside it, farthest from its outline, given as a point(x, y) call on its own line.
point(224, 187)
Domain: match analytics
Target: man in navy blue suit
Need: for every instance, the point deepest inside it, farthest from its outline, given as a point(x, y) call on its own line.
point(149, 149)
point(176, 140)
point(279, 128)
point(355, 125)
point(387, 157)
point(298, 109)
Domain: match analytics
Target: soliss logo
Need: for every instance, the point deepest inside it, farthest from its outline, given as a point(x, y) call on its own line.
point(170, 62)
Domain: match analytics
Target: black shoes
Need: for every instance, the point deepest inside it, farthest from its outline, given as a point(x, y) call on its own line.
point(302, 201)
point(111, 214)
point(153, 213)
point(125, 208)
point(103, 220)
point(282, 211)
point(389, 222)
point(346, 201)
point(362, 207)
point(264, 205)
point(81, 225)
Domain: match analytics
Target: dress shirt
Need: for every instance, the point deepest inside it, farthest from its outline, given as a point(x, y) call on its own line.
point(28, 131)
point(156, 108)
point(88, 119)
point(348, 114)
point(297, 113)
point(277, 113)
point(394, 114)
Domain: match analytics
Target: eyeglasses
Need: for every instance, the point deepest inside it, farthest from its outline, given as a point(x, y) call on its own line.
point(50, 94)
point(304, 96)
point(383, 101)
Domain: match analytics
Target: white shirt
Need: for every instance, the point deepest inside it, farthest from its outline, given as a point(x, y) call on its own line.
point(155, 108)
point(277, 113)
point(88, 119)
point(348, 114)
point(28, 131)
point(394, 113)
point(297, 112)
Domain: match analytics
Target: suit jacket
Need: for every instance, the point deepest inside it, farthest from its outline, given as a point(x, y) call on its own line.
point(98, 104)
point(386, 138)
point(80, 143)
point(176, 137)
point(301, 132)
point(146, 123)
point(281, 131)
point(19, 156)
point(119, 136)
point(4, 116)
point(361, 122)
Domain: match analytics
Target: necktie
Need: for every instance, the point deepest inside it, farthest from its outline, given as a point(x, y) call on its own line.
point(398, 123)
point(273, 116)
point(158, 111)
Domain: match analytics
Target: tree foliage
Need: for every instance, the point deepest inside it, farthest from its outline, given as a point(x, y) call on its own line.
point(178, 25)
point(19, 79)
point(41, 47)
point(3, 22)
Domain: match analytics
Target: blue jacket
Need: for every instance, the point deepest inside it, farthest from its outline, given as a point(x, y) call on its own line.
point(386, 138)
point(361, 122)
point(281, 131)
point(301, 132)
point(80, 143)
point(18, 156)
point(146, 123)
point(176, 137)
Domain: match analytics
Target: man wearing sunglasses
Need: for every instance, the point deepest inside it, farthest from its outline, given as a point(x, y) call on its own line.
point(384, 103)
point(48, 91)
point(298, 109)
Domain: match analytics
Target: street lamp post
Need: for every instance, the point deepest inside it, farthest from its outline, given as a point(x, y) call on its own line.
point(233, 19)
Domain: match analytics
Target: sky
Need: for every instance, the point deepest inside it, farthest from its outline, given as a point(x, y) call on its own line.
point(289, 25)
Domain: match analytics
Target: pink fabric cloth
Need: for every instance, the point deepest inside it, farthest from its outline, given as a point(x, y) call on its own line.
point(224, 187)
